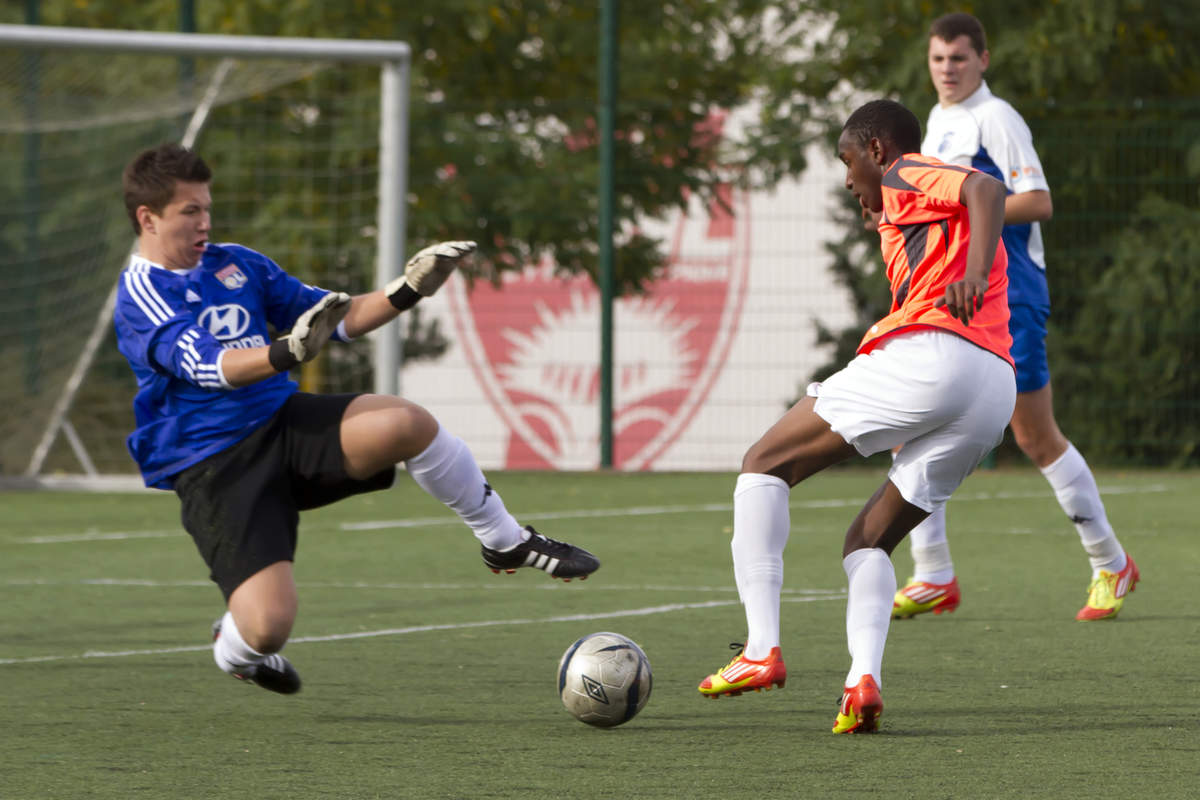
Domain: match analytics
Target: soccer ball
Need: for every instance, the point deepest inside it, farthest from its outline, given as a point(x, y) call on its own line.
point(604, 679)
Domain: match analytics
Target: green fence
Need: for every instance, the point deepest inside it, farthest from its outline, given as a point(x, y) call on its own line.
point(1123, 259)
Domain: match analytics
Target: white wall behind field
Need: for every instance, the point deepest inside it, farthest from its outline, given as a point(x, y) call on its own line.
point(702, 365)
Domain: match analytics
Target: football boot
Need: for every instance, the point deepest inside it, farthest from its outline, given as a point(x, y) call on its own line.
point(555, 558)
point(860, 708)
point(1106, 593)
point(919, 597)
point(742, 674)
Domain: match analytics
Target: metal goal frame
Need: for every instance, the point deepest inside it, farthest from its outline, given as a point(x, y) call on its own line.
point(394, 59)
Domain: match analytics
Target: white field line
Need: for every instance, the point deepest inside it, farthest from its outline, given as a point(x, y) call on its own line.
point(593, 513)
point(637, 511)
point(408, 586)
point(338, 637)
point(97, 536)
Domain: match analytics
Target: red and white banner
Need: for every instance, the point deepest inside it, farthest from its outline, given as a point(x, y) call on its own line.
point(703, 363)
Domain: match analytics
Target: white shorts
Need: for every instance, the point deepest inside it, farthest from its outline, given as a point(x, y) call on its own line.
point(945, 399)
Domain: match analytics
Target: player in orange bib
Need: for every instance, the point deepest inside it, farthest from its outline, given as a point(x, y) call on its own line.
point(934, 376)
point(924, 234)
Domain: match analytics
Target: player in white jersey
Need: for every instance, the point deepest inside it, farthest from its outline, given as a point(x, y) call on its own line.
point(973, 127)
point(220, 422)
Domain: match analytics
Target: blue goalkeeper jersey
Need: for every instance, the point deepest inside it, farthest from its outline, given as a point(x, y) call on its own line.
point(172, 326)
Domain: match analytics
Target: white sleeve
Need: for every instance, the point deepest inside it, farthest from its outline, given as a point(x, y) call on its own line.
point(225, 384)
point(1006, 137)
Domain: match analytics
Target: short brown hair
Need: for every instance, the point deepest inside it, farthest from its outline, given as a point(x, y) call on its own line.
point(149, 179)
point(951, 26)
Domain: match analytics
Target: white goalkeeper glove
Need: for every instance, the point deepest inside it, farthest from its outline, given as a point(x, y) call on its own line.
point(425, 272)
point(310, 332)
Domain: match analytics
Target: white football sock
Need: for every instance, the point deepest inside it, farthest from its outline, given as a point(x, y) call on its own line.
point(871, 582)
point(447, 471)
point(930, 550)
point(1077, 493)
point(760, 531)
point(230, 651)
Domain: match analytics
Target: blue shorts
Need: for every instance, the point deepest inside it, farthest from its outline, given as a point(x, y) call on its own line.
point(1028, 328)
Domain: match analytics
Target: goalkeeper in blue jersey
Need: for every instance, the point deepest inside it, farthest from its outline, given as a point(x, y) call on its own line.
point(220, 422)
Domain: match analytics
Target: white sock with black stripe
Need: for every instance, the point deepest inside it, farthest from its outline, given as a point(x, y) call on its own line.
point(447, 471)
point(1077, 493)
point(230, 650)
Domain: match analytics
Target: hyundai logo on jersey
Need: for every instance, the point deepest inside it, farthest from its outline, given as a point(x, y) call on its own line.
point(225, 322)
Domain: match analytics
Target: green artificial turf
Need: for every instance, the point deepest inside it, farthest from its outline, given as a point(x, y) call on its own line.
point(426, 676)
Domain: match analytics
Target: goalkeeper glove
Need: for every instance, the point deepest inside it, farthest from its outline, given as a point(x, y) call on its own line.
point(425, 273)
point(309, 333)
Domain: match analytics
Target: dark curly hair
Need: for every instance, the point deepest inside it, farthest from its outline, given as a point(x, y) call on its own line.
point(888, 121)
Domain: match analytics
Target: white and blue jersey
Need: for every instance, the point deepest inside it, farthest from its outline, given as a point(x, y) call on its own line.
point(988, 134)
point(173, 326)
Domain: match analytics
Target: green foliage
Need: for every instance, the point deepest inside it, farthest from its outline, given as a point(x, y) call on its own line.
point(503, 130)
point(1137, 335)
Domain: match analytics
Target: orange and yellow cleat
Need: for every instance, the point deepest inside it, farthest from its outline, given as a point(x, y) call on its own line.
point(861, 708)
point(919, 597)
point(1106, 593)
point(742, 675)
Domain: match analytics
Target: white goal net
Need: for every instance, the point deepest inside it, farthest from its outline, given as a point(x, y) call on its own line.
point(306, 139)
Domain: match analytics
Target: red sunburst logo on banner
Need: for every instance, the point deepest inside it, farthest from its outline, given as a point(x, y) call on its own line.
point(534, 346)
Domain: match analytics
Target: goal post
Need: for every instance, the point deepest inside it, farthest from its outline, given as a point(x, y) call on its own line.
point(308, 139)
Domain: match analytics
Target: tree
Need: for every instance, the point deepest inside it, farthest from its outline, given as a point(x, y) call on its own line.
point(1138, 336)
point(504, 106)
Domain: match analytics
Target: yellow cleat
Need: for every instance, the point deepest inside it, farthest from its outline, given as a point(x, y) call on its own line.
point(1106, 593)
point(743, 675)
point(919, 597)
point(861, 708)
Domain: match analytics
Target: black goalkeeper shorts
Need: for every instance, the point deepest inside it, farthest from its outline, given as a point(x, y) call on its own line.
point(242, 505)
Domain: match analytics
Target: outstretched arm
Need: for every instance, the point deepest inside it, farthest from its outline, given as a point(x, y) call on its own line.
point(423, 276)
point(242, 367)
point(983, 196)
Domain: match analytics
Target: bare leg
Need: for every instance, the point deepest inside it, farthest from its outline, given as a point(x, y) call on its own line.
point(379, 431)
point(1035, 429)
point(264, 607)
point(798, 446)
point(883, 522)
